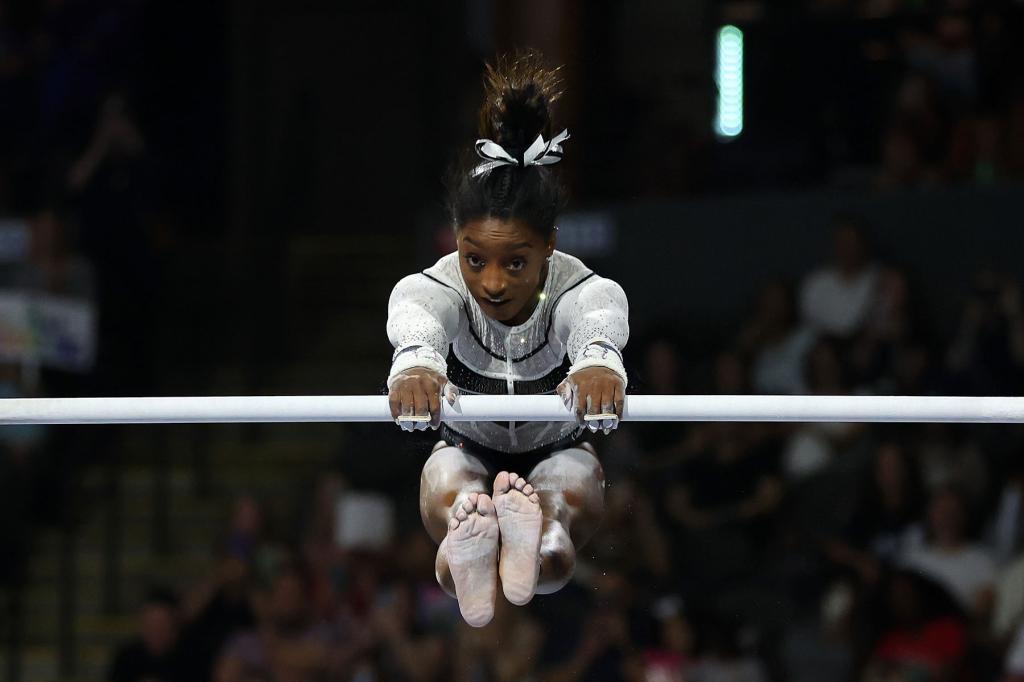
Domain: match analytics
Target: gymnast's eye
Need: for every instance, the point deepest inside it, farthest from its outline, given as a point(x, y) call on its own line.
point(517, 265)
point(474, 261)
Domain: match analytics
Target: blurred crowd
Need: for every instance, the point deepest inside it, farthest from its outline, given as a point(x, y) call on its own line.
point(876, 95)
point(79, 271)
point(732, 552)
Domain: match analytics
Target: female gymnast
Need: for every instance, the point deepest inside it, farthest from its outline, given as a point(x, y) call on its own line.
point(508, 314)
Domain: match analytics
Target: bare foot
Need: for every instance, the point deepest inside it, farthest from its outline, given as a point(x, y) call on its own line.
point(520, 521)
point(472, 549)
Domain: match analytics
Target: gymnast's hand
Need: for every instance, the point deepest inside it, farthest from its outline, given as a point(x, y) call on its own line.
point(593, 391)
point(417, 392)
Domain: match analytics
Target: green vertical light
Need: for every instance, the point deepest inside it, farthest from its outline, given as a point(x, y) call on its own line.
point(729, 77)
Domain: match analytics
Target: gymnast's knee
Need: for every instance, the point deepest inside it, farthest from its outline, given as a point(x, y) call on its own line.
point(557, 561)
point(447, 474)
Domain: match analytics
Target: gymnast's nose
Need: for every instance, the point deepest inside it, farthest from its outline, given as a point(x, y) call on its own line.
point(493, 285)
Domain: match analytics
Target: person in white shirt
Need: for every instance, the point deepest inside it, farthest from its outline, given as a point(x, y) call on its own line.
point(966, 570)
point(837, 299)
point(509, 314)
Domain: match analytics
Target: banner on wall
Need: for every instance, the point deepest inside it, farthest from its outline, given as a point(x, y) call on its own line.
point(58, 332)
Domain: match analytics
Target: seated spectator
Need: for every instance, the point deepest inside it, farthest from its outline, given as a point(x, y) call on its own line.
point(154, 655)
point(721, 505)
point(812, 447)
point(886, 522)
point(722, 658)
point(920, 636)
point(949, 456)
point(776, 343)
point(482, 653)
point(837, 298)
point(891, 355)
point(986, 356)
point(673, 653)
point(287, 645)
point(966, 570)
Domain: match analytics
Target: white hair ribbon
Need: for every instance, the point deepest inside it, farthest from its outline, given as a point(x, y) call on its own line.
point(540, 153)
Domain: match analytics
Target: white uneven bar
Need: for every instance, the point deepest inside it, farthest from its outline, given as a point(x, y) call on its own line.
point(659, 408)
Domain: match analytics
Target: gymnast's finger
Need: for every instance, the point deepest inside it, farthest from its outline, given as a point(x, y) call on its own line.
point(582, 399)
point(434, 404)
point(421, 400)
point(395, 403)
point(620, 399)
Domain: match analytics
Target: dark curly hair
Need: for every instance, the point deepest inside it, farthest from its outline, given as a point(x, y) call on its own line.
point(518, 93)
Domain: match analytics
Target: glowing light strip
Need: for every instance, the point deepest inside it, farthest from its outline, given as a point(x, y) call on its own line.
point(746, 408)
point(729, 77)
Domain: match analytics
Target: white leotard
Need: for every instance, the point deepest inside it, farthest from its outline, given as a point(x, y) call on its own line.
point(581, 321)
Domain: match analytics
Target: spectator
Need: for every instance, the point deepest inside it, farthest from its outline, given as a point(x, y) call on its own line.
point(812, 447)
point(920, 636)
point(671, 657)
point(838, 298)
point(775, 342)
point(723, 659)
point(483, 654)
point(155, 655)
point(886, 521)
point(966, 570)
point(287, 645)
point(986, 356)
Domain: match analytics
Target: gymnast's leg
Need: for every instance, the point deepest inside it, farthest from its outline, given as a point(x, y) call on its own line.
point(459, 515)
point(571, 487)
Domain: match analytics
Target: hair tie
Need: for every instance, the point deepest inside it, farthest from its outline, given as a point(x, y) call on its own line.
point(540, 153)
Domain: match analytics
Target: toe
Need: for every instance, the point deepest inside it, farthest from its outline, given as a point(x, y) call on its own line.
point(535, 498)
point(468, 505)
point(471, 500)
point(485, 505)
point(512, 478)
point(527, 489)
point(501, 484)
point(520, 483)
point(461, 515)
point(453, 524)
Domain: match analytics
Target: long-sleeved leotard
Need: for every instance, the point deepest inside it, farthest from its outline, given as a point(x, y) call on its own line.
point(580, 321)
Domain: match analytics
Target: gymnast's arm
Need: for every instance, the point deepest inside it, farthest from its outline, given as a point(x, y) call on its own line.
point(594, 320)
point(423, 317)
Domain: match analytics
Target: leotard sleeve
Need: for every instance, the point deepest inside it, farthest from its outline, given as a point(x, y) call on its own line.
point(423, 317)
point(594, 320)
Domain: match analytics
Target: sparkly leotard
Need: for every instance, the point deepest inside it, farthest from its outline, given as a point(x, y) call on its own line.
point(580, 321)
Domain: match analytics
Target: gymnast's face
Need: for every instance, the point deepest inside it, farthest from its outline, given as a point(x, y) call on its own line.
point(504, 264)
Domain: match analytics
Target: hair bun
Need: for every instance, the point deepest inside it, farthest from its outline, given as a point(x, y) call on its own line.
point(518, 93)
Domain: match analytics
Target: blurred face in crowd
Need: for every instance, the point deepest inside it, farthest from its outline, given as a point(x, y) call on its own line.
point(851, 251)
point(947, 518)
point(159, 628)
point(504, 265)
point(288, 602)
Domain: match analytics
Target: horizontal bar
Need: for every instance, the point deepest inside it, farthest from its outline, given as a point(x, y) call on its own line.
point(374, 408)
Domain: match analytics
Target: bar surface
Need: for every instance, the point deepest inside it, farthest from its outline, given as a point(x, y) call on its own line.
point(374, 408)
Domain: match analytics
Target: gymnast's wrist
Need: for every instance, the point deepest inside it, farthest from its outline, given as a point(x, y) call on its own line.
point(416, 356)
point(600, 353)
